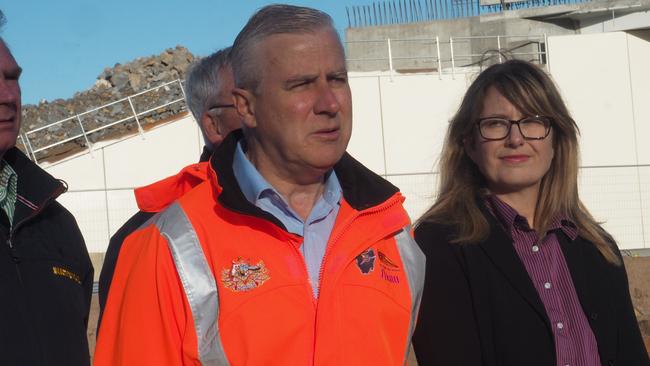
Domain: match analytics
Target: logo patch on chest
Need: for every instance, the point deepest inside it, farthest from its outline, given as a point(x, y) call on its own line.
point(389, 270)
point(243, 276)
point(366, 261)
point(67, 274)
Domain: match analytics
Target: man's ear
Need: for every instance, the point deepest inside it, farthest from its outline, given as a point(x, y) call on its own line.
point(211, 128)
point(245, 105)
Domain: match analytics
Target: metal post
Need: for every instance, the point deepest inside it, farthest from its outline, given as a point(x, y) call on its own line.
point(83, 131)
point(499, 48)
point(548, 62)
point(439, 62)
point(390, 59)
point(22, 140)
point(30, 148)
point(180, 83)
point(135, 115)
point(453, 64)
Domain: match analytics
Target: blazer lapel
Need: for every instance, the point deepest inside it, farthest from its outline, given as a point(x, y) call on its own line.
point(589, 273)
point(499, 248)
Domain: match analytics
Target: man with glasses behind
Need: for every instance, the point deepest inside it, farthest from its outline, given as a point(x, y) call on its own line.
point(208, 88)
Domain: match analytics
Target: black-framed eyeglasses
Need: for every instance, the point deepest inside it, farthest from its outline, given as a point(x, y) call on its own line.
point(531, 128)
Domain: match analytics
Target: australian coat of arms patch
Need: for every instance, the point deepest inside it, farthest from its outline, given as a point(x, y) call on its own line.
point(244, 276)
point(366, 261)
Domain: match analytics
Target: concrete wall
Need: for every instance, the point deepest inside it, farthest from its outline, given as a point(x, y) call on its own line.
point(413, 45)
point(611, 21)
point(607, 92)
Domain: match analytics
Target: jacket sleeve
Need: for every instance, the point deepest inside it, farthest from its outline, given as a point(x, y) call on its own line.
point(446, 333)
point(631, 350)
point(146, 314)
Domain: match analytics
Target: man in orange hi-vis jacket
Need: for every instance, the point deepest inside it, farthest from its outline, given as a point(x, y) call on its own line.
point(291, 252)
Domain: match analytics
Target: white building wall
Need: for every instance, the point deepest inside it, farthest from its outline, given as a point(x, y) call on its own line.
point(399, 124)
point(100, 184)
point(604, 80)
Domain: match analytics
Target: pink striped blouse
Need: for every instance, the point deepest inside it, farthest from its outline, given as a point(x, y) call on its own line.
point(575, 344)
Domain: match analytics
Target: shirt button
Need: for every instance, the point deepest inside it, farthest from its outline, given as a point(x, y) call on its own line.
point(535, 249)
point(560, 325)
point(547, 285)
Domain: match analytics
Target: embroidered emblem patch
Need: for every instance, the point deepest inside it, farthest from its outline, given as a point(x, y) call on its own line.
point(243, 276)
point(67, 274)
point(366, 261)
point(386, 262)
point(388, 268)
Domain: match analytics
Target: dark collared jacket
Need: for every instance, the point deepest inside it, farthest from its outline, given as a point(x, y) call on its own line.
point(45, 275)
point(480, 307)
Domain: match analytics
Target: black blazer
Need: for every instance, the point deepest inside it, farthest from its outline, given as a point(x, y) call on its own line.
point(480, 307)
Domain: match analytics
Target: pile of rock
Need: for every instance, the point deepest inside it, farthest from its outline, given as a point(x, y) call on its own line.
point(113, 84)
point(638, 271)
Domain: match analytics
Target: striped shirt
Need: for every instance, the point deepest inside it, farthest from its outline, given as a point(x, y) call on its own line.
point(8, 190)
point(575, 344)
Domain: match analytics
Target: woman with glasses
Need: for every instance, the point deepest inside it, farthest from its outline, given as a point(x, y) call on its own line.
point(518, 271)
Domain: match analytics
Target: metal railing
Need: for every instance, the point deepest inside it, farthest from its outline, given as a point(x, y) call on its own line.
point(445, 56)
point(389, 12)
point(85, 131)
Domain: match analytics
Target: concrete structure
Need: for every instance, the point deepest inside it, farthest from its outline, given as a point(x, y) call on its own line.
point(399, 124)
point(521, 32)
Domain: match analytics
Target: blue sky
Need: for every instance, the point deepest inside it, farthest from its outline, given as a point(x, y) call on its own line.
point(64, 45)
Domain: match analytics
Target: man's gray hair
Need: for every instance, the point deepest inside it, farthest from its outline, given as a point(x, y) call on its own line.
point(267, 21)
point(202, 82)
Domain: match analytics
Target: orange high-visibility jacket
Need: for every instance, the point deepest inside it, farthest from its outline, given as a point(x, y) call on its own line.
point(157, 196)
point(214, 280)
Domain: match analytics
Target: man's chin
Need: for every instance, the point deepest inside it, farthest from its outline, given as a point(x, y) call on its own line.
point(6, 143)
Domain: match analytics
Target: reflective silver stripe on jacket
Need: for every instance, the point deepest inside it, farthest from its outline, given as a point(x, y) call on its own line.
point(414, 262)
point(198, 282)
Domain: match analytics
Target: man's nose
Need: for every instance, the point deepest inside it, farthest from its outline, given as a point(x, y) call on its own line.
point(327, 102)
point(9, 91)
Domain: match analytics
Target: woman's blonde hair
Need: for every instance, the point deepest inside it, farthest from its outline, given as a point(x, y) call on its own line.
point(532, 92)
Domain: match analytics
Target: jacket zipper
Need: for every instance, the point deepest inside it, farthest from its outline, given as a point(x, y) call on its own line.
point(394, 201)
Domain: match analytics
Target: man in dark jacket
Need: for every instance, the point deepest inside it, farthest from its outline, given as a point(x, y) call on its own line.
point(208, 85)
point(45, 272)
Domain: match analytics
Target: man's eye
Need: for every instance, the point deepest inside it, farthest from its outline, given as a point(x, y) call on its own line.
point(300, 84)
point(340, 79)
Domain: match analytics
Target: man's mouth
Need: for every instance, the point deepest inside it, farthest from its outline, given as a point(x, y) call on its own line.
point(329, 133)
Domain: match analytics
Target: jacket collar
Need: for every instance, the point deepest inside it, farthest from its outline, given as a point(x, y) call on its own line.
point(35, 186)
point(205, 154)
point(157, 196)
point(362, 188)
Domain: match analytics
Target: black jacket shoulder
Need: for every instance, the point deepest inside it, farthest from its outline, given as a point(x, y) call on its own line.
point(446, 332)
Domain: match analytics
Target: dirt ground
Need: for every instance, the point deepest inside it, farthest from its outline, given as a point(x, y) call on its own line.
point(638, 270)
